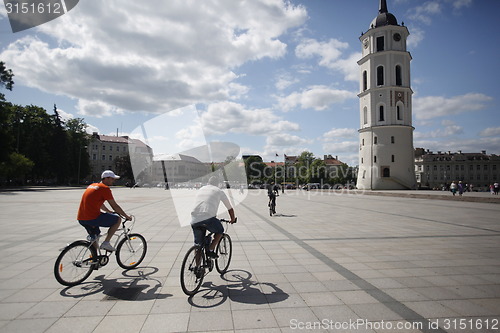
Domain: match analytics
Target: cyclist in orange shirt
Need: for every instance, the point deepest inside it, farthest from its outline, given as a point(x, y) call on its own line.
point(90, 212)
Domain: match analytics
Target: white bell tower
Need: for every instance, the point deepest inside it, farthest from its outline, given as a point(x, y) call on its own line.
point(386, 154)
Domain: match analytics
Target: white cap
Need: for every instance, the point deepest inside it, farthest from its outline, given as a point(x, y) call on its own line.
point(109, 173)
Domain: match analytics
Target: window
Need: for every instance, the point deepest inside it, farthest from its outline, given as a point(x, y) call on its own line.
point(380, 43)
point(365, 80)
point(392, 158)
point(363, 142)
point(399, 81)
point(375, 159)
point(375, 140)
point(381, 113)
point(94, 157)
point(380, 75)
point(386, 172)
point(365, 115)
point(104, 157)
point(392, 140)
point(103, 147)
point(398, 112)
point(361, 160)
point(110, 157)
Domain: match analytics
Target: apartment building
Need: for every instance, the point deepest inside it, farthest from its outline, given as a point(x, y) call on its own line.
point(438, 169)
point(104, 149)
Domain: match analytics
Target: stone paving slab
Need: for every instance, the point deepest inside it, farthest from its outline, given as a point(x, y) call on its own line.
point(326, 262)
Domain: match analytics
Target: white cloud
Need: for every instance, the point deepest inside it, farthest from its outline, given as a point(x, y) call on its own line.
point(424, 12)
point(314, 97)
point(124, 55)
point(438, 106)
point(416, 36)
point(279, 143)
point(490, 131)
point(330, 56)
point(447, 129)
point(284, 81)
point(341, 133)
point(286, 140)
point(458, 4)
point(232, 117)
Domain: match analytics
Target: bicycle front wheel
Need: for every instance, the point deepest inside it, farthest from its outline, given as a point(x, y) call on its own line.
point(192, 271)
point(75, 263)
point(224, 251)
point(131, 251)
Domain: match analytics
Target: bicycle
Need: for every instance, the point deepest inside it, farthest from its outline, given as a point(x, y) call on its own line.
point(196, 264)
point(77, 260)
point(272, 204)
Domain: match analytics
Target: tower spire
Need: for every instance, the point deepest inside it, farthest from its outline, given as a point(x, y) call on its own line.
point(382, 7)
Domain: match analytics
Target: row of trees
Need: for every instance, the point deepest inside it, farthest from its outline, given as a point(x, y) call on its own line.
point(307, 169)
point(37, 147)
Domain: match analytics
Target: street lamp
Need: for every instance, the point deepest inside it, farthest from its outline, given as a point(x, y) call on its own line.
point(79, 164)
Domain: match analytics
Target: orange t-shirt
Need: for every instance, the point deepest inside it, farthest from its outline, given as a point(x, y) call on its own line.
point(92, 200)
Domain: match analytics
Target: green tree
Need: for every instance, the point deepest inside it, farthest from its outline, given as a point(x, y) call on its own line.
point(78, 141)
point(124, 168)
point(303, 167)
point(16, 168)
point(254, 168)
point(6, 81)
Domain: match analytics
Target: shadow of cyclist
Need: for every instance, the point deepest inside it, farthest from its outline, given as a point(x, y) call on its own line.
point(136, 287)
point(240, 288)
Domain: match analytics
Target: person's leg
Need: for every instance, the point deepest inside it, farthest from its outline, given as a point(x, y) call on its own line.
point(112, 229)
point(215, 241)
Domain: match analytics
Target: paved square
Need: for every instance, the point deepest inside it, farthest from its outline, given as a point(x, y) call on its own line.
point(326, 262)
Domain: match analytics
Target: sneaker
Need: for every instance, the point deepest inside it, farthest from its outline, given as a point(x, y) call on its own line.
point(107, 246)
point(199, 272)
point(92, 238)
point(212, 254)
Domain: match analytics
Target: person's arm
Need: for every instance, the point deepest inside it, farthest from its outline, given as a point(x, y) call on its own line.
point(230, 209)
point(118, 209)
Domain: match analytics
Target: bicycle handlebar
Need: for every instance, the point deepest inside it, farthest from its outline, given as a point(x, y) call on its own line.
point(227, 221)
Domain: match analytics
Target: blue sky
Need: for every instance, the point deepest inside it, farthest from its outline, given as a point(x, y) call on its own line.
point(272, 76)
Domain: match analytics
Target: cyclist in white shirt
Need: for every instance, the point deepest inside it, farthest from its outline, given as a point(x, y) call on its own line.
point(204, 214)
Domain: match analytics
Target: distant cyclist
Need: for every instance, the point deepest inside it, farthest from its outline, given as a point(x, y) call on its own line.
point(93, 213)
point(204, 214)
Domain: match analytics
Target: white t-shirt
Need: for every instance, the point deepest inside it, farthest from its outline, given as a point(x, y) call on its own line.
point(207, 203)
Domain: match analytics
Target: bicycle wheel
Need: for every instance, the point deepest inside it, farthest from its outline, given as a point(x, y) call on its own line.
point(224, 251)
point(131, 251)
point(271, 209)
point(192, 271)
point(75, 263)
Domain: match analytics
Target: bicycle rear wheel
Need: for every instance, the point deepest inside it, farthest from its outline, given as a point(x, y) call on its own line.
point(224, 251)
point(192, 271)
point(272, 208)
point(131, 251)
point(75, 263)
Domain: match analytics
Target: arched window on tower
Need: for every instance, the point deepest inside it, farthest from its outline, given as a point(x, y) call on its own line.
point(381, 116)
point(399, 80)
point(380, 75)
point(365, 116)
point(398, 112)
point(365, 80)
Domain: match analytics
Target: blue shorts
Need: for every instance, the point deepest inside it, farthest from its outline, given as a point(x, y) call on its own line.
point(212, 224)
point(103, 220)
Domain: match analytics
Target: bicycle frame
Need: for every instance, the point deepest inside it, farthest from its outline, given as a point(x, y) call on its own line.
point(125, 230)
